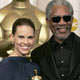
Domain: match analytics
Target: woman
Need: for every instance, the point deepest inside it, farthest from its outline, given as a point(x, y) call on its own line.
point(16, 66)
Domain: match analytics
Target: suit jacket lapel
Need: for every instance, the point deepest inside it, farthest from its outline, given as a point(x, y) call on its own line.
point(75, 54)
point(51, 60)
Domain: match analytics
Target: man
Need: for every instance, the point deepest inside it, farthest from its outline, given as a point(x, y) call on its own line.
point(59, 58)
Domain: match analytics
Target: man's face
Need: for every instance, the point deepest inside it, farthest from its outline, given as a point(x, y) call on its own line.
point(60, 22)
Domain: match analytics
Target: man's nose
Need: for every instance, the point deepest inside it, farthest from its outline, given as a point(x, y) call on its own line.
point(61, 22)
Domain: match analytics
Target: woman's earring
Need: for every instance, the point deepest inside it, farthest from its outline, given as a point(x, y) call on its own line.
point(12, 42)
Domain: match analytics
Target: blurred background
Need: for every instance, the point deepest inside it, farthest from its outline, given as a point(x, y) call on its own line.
point(41, 4)
point(39, 7)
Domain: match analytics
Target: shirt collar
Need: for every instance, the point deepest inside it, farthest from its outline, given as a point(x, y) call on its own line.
point(67, 42)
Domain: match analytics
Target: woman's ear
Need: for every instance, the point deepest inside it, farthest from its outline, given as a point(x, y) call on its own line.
point(12, 38)
point(34, 39)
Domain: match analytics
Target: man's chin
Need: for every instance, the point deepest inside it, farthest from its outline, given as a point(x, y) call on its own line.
point(62, 37)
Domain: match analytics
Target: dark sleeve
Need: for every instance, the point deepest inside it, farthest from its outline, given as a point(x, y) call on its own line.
point(7, 71)
point(35, 55)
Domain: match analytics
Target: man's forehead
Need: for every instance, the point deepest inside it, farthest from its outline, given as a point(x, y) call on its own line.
point(60, 9)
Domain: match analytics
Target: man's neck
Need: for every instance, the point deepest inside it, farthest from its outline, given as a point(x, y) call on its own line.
point(57, 40)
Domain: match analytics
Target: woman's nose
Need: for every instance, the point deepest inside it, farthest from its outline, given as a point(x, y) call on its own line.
point(25, 41)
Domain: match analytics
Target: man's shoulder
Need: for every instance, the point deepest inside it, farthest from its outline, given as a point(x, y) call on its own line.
point(40, 51)
point(77, 38)
point(42, 47)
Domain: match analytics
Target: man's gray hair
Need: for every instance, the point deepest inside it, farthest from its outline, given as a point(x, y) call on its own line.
point(52, 3)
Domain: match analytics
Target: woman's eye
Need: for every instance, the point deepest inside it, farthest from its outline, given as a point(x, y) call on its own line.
point(21, 36)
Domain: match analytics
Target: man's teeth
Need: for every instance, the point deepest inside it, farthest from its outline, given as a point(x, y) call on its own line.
point(62, 29)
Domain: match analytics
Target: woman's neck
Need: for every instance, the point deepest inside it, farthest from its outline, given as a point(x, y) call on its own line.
point(14, 53)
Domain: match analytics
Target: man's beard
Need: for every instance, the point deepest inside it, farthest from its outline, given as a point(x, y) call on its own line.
point(66, 32)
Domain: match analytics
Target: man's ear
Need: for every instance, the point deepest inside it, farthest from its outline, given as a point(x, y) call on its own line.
point(47, 20)
point(72, 18)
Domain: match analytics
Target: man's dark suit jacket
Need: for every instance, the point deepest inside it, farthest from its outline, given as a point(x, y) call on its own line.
point(44, 58)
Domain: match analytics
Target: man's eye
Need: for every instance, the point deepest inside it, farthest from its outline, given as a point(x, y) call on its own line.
point(30, 37)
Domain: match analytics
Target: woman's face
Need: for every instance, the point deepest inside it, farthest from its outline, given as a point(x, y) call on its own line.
point(23, 39)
